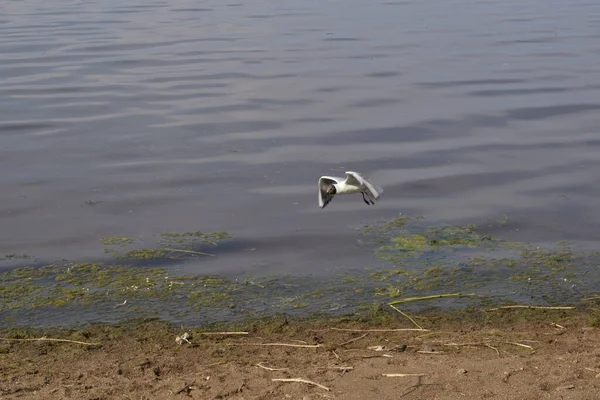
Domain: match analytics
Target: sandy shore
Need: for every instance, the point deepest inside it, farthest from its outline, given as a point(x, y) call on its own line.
point(508, 354)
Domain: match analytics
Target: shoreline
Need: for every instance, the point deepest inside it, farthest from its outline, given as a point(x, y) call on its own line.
point(446, 318)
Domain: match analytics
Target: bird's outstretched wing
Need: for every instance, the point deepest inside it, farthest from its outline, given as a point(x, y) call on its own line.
point(354, 178)
point(325, 182)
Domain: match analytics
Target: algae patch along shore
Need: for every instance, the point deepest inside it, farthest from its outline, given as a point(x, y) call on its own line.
point(412, 259)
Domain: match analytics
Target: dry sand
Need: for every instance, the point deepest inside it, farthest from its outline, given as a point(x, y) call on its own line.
point(513, 354)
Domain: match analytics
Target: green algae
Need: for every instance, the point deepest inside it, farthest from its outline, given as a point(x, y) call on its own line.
point(171, 245)
point(434, 259)
point(414, 259)
point(116, 241)
point(210, 238)
point(435, 239)
point(145, 254)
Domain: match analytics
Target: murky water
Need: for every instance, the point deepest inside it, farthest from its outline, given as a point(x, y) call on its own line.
point(209, 116)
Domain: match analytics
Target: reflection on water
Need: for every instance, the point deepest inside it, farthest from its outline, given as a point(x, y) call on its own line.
point(182, 117)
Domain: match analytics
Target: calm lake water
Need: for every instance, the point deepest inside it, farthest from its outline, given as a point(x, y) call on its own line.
point(182, 116)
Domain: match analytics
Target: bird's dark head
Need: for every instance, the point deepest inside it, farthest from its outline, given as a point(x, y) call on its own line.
point(331, 190)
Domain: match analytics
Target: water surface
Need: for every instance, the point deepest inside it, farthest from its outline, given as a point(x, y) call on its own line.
point(213, 116)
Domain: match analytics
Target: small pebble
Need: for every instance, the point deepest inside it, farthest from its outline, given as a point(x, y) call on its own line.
point(462, 371)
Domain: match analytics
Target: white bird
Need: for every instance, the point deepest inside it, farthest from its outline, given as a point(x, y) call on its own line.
point(329, 186)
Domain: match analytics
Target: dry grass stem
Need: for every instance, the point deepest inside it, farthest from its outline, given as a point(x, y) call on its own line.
point(407, 316)
point(520, 345)
point(465, 344)
point(401, 375)
point(313, 346)
point(45, 339)
point(492, 347)
point(483, 344)
point(431, 334)
point(438, 296)
point(353, 340)
point(531, 307)
point(188, 251)
point(271, 369)
point(301, 380)
point(429, 352)
point(377, 356)
point(371, 330)
point(592, 298)
point(222, 333)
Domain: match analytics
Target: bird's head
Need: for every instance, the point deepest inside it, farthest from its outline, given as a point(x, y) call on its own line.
point(331, 190)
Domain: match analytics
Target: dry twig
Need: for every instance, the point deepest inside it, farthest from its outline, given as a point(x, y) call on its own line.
point(222, 333)
point(301, 380)
point(401, 375)
point(187, 388)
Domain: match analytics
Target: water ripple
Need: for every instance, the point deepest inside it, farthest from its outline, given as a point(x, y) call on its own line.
point(188, 117)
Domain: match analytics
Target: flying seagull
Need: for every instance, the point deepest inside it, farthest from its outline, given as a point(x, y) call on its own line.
point(329, 186)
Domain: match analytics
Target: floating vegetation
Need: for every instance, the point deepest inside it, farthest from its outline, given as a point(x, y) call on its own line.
point(15, 256)
point(189, 252)
point(406, 243)
point(417, 261)
point(435, 259)
point(211, 238)
point(145, 254)
point(116, 241)
point(170, 246)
